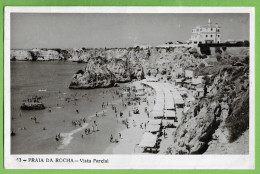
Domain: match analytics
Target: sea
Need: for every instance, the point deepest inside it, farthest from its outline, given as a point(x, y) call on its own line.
point(50, 80)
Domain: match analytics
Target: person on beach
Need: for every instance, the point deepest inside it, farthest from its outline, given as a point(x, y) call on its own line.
point(13, 133)
point(96, 114)
point(120, 136)
point(77, 111)
point(82, 135)
point(103, 113)
point(58, 137)
point(134, 123)
point(129, 113)
point(111, 138)
point(93, 130)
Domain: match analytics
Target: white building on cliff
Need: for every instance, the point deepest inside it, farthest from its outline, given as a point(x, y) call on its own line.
point(205, 34)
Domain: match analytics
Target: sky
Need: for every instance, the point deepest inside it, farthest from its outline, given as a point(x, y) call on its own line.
point(46, 30)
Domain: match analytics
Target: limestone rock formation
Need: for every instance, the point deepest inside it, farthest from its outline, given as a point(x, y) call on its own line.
point(101, 77)
point(101, 72)
point(229, 90)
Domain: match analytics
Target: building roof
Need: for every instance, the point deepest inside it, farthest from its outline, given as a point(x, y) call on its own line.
point(168, 113)
point(199, 89)
point(187, 81)
point(167, 122)
point(152, 128)
point(196, 81)
point(156, 114)
point(154, 121)
point(148, 140)
point(178, 80)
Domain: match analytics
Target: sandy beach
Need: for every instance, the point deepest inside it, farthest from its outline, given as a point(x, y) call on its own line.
point(96, 107)
point(61, 110)
point(61, 105)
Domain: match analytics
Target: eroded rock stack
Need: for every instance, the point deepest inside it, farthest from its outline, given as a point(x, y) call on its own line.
point(101, 72)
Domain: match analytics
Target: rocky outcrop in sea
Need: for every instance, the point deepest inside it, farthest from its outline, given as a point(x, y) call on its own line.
point(101, 73)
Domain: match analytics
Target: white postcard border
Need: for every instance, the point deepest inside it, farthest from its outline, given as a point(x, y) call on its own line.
point(129, 161)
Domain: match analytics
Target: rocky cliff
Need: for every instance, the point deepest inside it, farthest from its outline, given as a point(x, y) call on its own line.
point(36, 55)
point(114, 65)
point(104, 72)
point(220, 117)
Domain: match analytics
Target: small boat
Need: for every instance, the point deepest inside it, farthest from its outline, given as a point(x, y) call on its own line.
point(32, 106)
point(33, 103)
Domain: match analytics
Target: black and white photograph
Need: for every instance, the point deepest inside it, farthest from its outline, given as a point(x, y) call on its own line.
point(139, 84)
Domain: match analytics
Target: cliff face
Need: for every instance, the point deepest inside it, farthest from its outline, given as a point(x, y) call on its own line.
point(20, 55)
point(124, 64)
point(103, 72)
point(100, 77)
point(84, 55)
point(228, 91)
point(132, 63)
point(36, 55)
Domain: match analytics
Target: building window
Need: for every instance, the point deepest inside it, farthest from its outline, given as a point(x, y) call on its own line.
point(211, 35)
point(211, 29)
point(206, 35)
point(195, 42)
point(218, 35)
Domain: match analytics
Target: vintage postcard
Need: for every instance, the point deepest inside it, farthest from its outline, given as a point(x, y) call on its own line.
point(129, 88)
